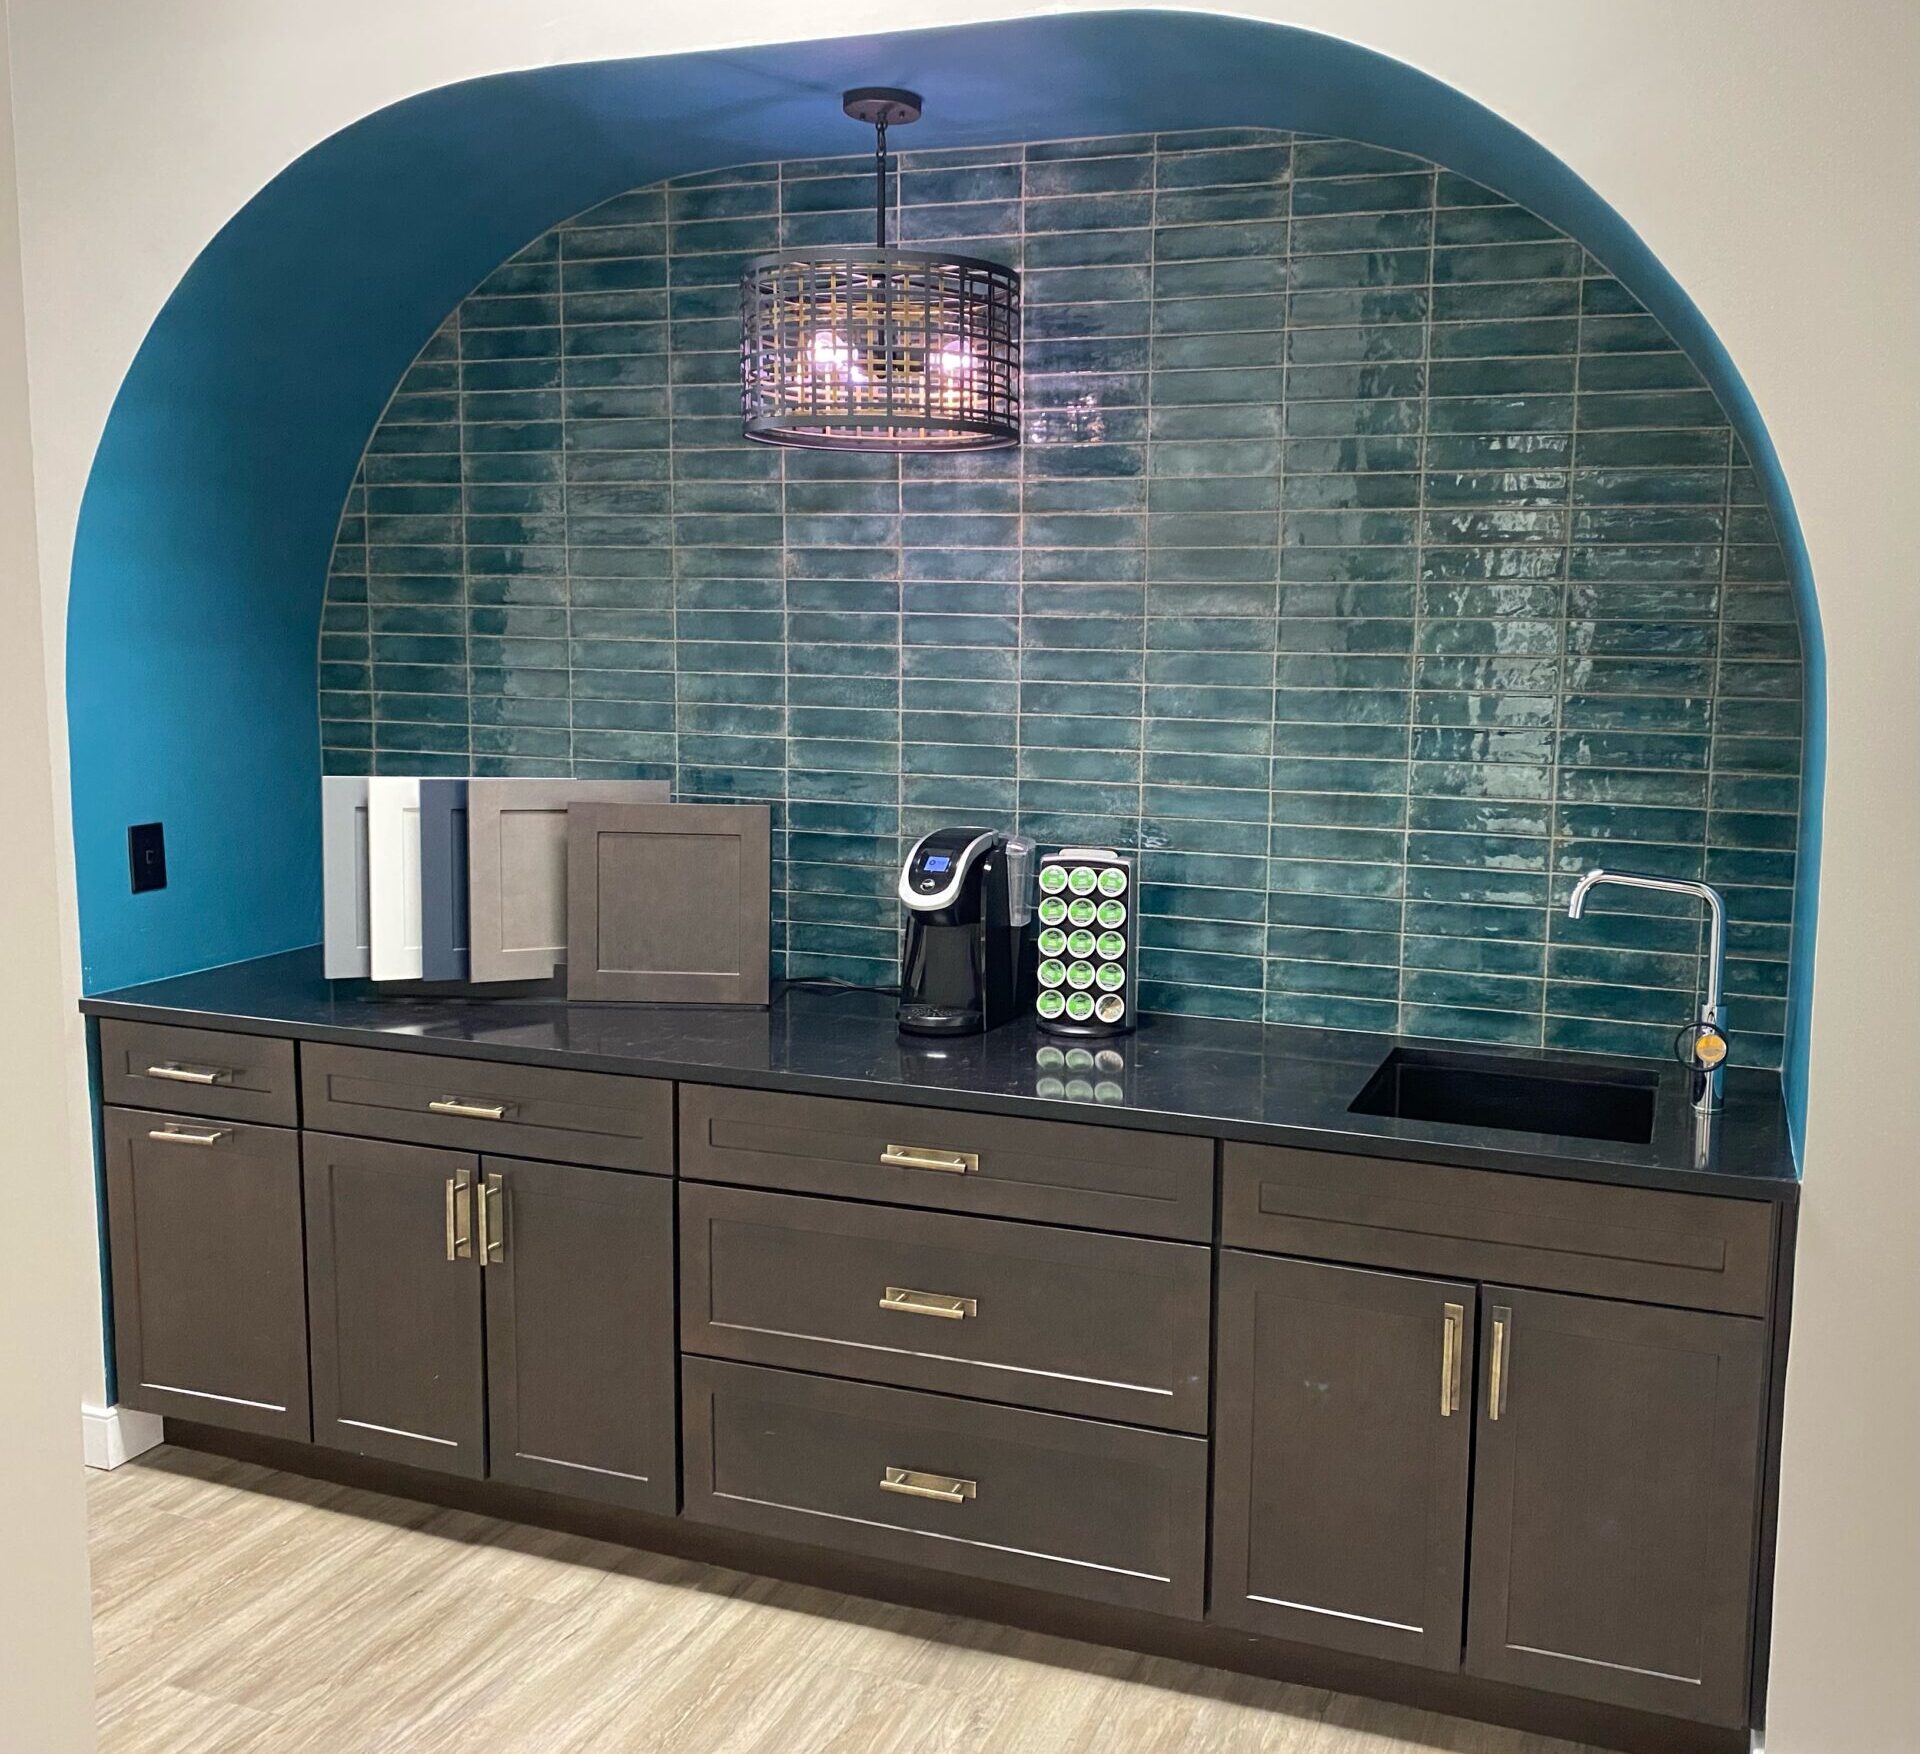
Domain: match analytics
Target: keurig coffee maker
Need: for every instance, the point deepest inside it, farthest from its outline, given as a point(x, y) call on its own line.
point(964, 962)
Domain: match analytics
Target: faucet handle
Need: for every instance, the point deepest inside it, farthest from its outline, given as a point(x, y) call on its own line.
point(1701, 1046)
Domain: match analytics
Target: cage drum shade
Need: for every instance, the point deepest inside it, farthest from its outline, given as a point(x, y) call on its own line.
point(880, 350)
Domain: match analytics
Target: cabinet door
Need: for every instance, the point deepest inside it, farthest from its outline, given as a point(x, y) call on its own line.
point(580, 1331)
point(1341, 1457)
point(209, 1295)
point(1615, 1501)
point(393, 1287)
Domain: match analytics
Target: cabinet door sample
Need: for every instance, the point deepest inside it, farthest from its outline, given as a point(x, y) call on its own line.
point(1615, 1502)
point(209, 1290)
point(443, 880)
point(517, 843)
point(1341, 1459)
point(393, 867)
point(343, 834)
point(393, 1298)
point(580, 1334)
point(669, 902)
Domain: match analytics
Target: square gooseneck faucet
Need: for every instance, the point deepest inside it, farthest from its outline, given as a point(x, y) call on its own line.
point(1705, 1050)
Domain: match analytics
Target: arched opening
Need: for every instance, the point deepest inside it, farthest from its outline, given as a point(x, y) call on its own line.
point(201, 556)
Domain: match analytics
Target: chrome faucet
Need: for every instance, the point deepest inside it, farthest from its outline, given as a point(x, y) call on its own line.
point(1705, 1038)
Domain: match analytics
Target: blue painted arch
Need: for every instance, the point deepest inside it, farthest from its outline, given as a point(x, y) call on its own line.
point(203, 537)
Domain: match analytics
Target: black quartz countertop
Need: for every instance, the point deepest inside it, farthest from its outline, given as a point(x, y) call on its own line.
point(1270, 1085)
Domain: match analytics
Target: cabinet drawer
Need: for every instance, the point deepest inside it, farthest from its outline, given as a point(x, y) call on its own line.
point(209, 1280)
point(1641, 1244)
point(198, 1072)
point(1113, 1327)
point(1100, 1511)
point(1102, 1178)
point(482, 1105)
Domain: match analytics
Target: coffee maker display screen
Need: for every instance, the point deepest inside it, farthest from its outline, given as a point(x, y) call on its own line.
point(938, 862)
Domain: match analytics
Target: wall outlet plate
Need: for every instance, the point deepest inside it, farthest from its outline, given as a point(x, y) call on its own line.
point(147, 856)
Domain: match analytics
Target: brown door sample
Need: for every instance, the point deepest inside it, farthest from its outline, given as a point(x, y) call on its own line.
point(547, 1112)
point(1341, 1458)
point(1106, 1512)
point(1645, 1244)
point(1112, 1327)
point(580, 1342)
point(1615, 1498)
point(517, 869)
point(669, 902)
point(1058, 1172)
point(209, 1286)
point(397, 1366)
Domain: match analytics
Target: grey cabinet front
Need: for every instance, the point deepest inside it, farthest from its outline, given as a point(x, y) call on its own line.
point(1616, 1494)
point(209, 1304)
point(1342, 1450)
point(393, 1284)
point(580, 1341)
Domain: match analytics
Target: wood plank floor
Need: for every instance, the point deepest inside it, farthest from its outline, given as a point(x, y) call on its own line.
point(242, 1611)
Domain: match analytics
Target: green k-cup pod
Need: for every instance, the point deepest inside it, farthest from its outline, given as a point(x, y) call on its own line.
point(1081, 911)
point(1112, 976)
point(1113, 881)
point(1113, 915)
point(1079, 1007)
point(1079, 1059)
point(1052, 941)
point(1050, 1059)
point(1080, 974)
point(1052, 973)
point(1083, 879)
point(1080, 944)
point(1112, 946)
point(1111, 1007)
point(1050, 1005)
point(1053, 909)
point(1053, 879)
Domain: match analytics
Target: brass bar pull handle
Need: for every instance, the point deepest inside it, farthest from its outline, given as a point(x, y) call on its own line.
point(1498, 1370)
point(459, 1218)
point(947, 1488)
point(920, 1157)
point(1453, 1324)
point(490, 1197)
point(471, 1111)
point(178, 1074)
point(187, 1135)
point(929, 1303)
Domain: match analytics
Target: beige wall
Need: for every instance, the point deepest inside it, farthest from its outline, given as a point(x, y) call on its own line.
point(1767, 153)
point(47, 1260)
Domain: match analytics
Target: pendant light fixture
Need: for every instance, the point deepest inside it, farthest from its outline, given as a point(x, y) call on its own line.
point(882, 349)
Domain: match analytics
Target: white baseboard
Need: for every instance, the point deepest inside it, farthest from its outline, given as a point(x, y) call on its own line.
point(117, 1434)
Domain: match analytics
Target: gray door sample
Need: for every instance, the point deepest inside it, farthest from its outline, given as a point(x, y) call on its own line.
point(443, 880)
point(669, 902)
point(517, 842)
point(343, 830)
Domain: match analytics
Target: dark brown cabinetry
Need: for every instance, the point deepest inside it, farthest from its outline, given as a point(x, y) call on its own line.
point(1114, 1327)
point(209, 1299)
point(393, 1281)
point(1615, 1500)
point(1099, 1511)
point(1342, 1455)
point(579, 1294)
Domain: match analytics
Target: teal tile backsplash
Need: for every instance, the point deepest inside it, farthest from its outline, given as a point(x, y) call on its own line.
point(1374, 564)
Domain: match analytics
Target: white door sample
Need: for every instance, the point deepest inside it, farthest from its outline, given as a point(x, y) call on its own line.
point(393, 870)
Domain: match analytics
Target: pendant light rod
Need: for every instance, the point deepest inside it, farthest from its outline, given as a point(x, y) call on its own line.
point(881, 107)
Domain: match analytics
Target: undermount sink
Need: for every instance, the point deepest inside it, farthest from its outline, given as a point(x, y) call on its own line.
point(1480, 1090)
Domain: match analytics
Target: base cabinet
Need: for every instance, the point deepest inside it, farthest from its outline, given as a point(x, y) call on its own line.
point(580, 1367)
point(1341, 1458)
point(393, 1279)
point(209, 1299)
point(1616, 1494)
